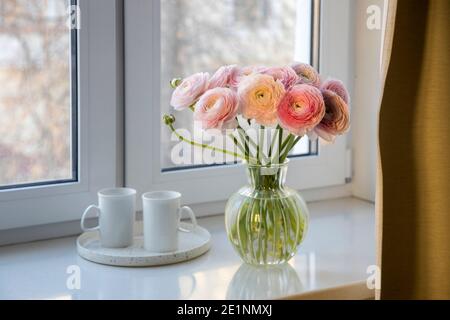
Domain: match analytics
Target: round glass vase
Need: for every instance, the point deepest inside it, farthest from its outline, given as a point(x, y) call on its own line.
point(265, 220)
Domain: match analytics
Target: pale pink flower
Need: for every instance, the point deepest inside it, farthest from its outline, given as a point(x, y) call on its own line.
point(217, 109)
point(190, 89)
point(301, 109)
point(259, 96)
point(248, 70)
point(286, 75)
point(242, 73)
point(226, 76)
point(337, 117)
point(337, 87)
point(307, 74)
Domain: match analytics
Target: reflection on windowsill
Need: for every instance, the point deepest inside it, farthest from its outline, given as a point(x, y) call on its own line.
point(264, 282)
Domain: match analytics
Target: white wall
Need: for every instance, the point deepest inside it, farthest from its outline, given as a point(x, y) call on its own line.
point(366, 99)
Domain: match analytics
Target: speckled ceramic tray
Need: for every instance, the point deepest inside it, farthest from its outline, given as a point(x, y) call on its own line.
point(190, 246)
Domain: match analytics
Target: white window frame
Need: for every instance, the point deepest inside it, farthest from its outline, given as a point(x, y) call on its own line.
point(102, 154)
point(100, 145)
point(143, 112)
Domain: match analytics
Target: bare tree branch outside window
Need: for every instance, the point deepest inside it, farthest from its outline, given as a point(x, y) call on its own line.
point(35, 110)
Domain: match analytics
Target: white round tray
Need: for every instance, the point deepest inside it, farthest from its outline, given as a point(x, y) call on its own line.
point(190, 246)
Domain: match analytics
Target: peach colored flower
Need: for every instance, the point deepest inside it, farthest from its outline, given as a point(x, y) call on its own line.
point(307, 74)
point(337, 117)
point(226, 76)
point(217, 109)
point(301, 109)
point(259, 96)
point(190, 89)
point(286, 75)
point(337, 87)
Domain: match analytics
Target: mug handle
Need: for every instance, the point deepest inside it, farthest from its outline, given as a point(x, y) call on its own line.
point(84, 217)
point(191, 216)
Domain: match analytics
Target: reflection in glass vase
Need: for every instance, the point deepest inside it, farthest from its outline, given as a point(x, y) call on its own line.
point(264, 282)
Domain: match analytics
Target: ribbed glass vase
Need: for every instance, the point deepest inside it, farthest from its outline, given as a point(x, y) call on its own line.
point(265, 220)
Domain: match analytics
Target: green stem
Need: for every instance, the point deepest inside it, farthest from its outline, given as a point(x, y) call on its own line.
point(280, 143)
point(274, 141)
point(258, 214)
point(241, 230)
point(249, 222)
point(245, 142)
point(236, 142)
point(250, 141)
point(204, 146)
point(285, 143)
point(261, 144)
point(295, 142)
point(274, 226)
point(285, 227)
point(285, 147)
point(245, 137)
point(291, 142)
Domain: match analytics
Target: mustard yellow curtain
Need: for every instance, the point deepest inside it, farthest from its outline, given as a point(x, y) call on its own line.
point(414, 212)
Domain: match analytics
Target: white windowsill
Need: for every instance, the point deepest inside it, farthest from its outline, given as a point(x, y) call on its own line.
point(331, 264)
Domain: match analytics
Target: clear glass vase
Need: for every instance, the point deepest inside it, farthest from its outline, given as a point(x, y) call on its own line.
point(265, 220)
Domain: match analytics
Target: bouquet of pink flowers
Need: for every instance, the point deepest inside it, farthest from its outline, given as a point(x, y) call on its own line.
point(293, 100)
point(265, 220)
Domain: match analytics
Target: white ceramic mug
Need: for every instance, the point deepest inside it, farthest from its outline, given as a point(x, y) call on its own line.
point(162, 215)
point(116, 211)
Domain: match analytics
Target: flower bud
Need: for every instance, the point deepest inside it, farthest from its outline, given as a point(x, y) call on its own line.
point(168, 119)
point(175, 82)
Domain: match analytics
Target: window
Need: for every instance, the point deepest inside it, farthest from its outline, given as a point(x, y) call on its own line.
point(172, 38)
point(38, 95)
point(95, 141)
point(60, 106)
point(198, 35)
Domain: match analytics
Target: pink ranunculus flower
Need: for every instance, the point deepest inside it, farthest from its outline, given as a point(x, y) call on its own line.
point(259, 96)
point(217, 109)
point(226, 76)
point(307, 74)
point(190, 89)
point(242, 73)
point(286, 75)
point(337, 117)
point(301, 109)
point(337, 87)
point(248, 70)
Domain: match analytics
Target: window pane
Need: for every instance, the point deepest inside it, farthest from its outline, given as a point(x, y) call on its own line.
point(199, 35)
point(36, 135)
